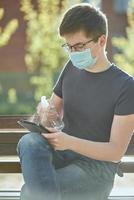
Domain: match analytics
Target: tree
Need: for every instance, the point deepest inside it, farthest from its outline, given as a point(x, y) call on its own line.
point(44, 55)
point(8, 30)
point(125, 56)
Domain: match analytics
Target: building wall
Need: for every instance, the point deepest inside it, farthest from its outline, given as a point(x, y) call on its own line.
point(117, 21)
point(12, 55)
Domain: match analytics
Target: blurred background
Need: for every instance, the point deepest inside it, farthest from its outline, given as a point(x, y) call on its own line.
point(31, 57)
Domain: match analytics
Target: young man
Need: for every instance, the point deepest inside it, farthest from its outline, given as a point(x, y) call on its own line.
point(96, 100)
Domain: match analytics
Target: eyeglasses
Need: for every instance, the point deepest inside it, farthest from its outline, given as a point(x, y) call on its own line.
point(76, 47)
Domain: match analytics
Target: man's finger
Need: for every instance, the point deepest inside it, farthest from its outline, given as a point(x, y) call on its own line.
point(48, 135)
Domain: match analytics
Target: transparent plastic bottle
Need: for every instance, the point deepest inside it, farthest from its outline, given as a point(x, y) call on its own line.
point(36, 118)
point(51, 118)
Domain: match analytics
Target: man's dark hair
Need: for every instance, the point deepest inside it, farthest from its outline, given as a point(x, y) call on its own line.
point(86, 18)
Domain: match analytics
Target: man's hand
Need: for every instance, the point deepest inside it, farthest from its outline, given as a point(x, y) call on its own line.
point(59, 140)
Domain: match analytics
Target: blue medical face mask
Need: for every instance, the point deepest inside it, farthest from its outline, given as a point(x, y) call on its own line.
point(82, 59)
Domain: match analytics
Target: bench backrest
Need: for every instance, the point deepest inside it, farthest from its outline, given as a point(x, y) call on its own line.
point(11, 132)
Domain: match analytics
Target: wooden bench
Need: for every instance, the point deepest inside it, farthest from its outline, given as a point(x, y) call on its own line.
point(11, 132)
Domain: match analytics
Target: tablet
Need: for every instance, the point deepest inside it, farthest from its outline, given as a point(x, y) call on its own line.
point(33, 127)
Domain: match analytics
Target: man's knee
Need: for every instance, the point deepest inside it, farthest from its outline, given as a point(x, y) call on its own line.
point(32, 141)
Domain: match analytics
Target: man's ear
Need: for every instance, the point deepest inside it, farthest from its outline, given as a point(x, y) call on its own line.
point(102, 40)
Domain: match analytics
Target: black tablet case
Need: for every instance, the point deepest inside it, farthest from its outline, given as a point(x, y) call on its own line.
point(33, 127)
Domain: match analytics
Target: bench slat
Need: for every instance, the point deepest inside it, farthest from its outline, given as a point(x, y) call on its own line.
point(10, 137)
point(127, 167)
point(9, 140)
point(9, 195)
point(10, 167)
point(14, 167)
point(7, 121)
point(8, 149)
point(121, 198)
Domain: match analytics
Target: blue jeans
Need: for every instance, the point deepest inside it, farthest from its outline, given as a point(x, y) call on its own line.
point(52, 175)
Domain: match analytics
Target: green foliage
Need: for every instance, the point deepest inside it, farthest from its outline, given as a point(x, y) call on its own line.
point(16, 93)
point(17, 108)
point(8, 30)
point(12, 98)
point(125, 46)
point(44, 55)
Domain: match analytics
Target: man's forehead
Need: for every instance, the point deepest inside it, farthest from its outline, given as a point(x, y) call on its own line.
point(77, 37)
